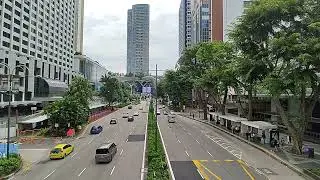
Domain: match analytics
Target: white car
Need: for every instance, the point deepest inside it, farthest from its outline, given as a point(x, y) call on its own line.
point(125, 115)
point(158, 113)
point(136, 114)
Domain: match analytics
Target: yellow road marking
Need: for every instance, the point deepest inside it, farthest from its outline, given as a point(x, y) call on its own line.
point(203, 160)
point(228, 160)
point(197, 163)
point(241, 163)
point(216, 161)
point(217, 177)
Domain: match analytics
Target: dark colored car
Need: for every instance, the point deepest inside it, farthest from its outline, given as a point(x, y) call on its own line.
point(96, 130)
point(113, 121)
point(130, 119)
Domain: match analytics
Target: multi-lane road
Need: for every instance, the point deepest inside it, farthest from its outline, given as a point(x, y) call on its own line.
point(129, 138)
point(193, 155)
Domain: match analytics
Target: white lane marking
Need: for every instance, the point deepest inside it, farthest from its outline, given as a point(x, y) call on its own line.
point(209, 153)
point(74, 154)
point(91, 141)
point(179, 141)
point(121, 152)
point(82, 172)
point(189, 133)
point(200, 173)
point(49, 174)
point(11, 178)
point(197, 141)
point(166, 153)
point(112, 170)
point(187, 153)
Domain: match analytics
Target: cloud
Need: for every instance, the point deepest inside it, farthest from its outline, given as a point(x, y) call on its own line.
point(105, 32)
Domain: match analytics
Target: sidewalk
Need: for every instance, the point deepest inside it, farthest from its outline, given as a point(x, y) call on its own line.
point(264, 158)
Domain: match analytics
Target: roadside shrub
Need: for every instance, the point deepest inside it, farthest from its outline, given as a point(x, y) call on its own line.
point(8, 166)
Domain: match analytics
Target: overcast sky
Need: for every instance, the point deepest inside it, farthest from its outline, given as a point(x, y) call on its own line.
point(105, 32)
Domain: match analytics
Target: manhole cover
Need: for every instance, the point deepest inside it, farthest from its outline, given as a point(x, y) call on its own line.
point(136, 137)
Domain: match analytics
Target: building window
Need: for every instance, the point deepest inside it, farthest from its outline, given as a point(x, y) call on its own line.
point(16, 48)
point(15, 38)
point(5, 34)
point(5, 44)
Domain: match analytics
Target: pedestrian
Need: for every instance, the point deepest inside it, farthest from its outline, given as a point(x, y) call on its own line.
point(193, 116)
point(264, 137)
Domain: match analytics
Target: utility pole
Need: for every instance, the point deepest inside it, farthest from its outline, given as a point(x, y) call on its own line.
point(156, 107)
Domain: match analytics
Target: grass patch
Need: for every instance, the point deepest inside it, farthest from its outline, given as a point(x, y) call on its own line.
point(157, 166)
point(315, 171)
point(8, 166)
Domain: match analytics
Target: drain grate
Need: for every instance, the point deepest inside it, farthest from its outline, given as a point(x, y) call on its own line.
point(136, 138)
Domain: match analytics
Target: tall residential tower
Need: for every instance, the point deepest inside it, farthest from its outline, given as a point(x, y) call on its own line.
point(138, 39)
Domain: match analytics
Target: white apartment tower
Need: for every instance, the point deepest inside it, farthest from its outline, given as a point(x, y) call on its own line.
point(78, 41)
point(39, 34)
point(138, 39)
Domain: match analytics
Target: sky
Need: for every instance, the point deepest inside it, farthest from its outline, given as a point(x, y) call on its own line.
point(105, 32)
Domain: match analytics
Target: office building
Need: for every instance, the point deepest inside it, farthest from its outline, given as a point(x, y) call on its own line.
point(200, 19)
point(184, 25)
point(78, 38)
point(138, 39)
point(223, 14)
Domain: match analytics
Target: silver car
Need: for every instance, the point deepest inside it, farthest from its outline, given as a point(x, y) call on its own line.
point(105, 153)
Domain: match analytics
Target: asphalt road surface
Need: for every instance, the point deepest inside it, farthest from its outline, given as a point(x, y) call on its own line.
point(194, 155)
point(80, 164)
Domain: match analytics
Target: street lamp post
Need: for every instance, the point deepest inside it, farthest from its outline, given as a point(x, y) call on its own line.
point(10, 77)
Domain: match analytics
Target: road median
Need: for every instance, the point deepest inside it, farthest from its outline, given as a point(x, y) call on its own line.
point(156, 159)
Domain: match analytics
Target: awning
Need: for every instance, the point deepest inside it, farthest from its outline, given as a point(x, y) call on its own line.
point(55, 85)
point(34, 120)
point(93, 106)
point(260, 125)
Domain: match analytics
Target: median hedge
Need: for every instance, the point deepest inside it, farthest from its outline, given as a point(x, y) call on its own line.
point(8, 166)
point(157, 166)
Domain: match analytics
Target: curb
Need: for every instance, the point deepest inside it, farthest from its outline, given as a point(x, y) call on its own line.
point(311, 174)
point(144, 150)
point(274, 156)
point(15, 172)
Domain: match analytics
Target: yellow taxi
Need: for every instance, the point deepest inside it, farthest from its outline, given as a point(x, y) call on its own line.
point(60, 151)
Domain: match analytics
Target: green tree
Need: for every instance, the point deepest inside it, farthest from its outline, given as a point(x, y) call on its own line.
point(295, 59)
point(73, 109)
point(110, 89)
point(219, 75)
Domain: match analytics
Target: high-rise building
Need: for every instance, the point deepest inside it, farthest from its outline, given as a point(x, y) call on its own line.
point(224, 13)
point(200, 19)
point(138, 39)
point(184, 25)
point(40, 36)
point(78, 38)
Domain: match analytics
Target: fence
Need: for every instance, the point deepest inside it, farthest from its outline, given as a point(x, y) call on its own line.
point(99, 115)
point(40, 140)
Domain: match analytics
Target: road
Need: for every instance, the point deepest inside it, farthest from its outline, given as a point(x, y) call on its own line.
point(196, 155)
point(129, 138)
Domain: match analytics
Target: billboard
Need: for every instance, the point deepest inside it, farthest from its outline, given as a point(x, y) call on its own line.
point(146, 90)
point(13, 149)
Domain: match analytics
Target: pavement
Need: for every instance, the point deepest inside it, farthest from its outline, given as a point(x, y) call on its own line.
point(80, 164)
point(199, 151)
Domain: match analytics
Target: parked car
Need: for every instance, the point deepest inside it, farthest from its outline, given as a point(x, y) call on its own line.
point(130, 119)
point(136, 114)
point(165, 113)
point(130, 107)
point(113, 121)
point(105, 153)
point(158, 113)
point(96, 130)
point(60, 151)
point(125, 115)
point(141, 108)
